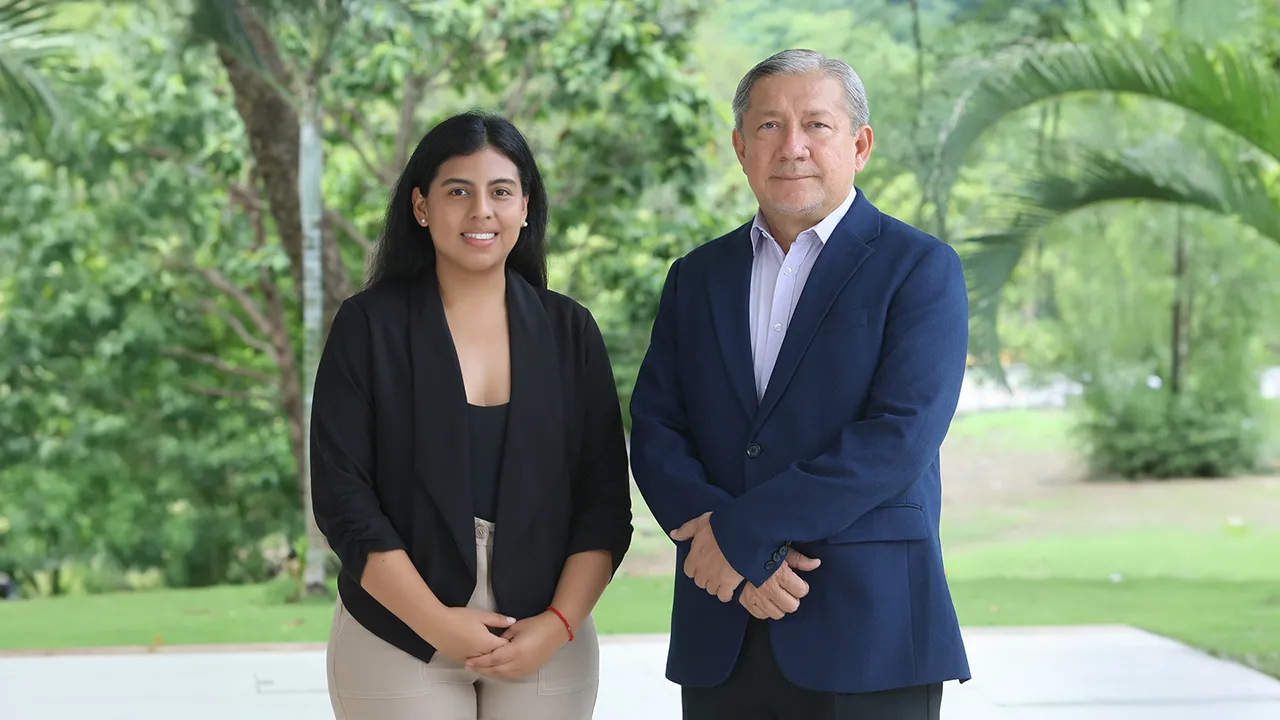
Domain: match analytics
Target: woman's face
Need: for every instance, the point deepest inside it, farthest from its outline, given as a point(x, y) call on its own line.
point(474, 208)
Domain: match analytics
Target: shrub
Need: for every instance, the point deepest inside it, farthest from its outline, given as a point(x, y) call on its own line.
point(1137, 429)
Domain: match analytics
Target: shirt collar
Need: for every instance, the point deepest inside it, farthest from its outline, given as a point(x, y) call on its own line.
point(823, 230)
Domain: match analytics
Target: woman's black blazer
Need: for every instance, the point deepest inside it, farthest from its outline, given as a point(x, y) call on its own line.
point(390, 454)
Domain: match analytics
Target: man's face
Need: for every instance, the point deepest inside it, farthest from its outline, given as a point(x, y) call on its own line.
point(797, 146)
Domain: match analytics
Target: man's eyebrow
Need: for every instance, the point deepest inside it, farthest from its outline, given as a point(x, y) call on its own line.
point(807, 113)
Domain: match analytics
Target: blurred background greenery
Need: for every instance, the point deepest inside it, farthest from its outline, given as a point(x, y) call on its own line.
point(1108, 169)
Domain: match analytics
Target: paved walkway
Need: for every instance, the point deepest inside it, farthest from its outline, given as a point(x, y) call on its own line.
point(1083, 673)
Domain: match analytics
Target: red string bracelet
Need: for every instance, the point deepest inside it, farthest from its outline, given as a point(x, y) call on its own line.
point(566, 622)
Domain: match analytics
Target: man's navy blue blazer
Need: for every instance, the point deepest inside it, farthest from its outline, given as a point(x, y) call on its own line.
point(838, 461)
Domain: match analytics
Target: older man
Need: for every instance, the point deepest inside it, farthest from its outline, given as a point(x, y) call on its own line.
point(802, 373)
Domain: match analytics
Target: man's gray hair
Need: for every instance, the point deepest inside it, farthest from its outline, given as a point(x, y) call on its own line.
point(805, 62)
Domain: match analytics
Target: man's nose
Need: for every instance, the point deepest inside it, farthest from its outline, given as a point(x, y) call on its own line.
point(795, 144)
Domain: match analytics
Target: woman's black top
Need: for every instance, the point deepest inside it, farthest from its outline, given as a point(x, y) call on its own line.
point(392, 465)
point(488, 428)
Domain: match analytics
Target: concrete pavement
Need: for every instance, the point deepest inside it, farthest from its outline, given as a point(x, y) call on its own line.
point(1078, 673)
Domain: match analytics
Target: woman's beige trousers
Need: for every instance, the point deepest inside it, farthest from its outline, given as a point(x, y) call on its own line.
point(370, 679)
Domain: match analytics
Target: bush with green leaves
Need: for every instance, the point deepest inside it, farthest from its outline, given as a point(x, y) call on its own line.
point(1133, 430)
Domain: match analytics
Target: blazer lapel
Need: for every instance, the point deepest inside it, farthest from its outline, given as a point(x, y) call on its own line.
point(841, 256)
point(442, 452)
point(534, 454)
point(730, 290)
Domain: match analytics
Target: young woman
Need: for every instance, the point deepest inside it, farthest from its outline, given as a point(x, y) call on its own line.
point(467, 453)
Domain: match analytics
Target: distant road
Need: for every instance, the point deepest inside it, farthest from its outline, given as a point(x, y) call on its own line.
point(981, 394)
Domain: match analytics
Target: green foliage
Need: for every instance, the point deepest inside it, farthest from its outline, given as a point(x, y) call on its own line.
point(110, 450)
point(1113, 292)
point(1134, 431)
point(621, 279)
point(118, 452)
point(1186, 323)
point(145, 425)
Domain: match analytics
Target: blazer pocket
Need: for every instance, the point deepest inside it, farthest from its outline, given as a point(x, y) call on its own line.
point(887, 523)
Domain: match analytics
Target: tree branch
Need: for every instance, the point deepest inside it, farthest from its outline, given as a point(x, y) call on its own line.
point(414, 89)
point(227, 393)
point(349, 228)
point(279, 333)
point(242, 298)
point(221, 364)
point(320, 63)
point(244, 197)
point(516, 98)
point(346, 134)
point(247, 337)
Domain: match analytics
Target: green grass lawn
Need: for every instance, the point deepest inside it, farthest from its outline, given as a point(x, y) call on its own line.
point(1223, 596)
point(1216, 590)
point(247, 614)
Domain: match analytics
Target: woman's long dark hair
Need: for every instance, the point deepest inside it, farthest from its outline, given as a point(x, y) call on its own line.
point(406, 249)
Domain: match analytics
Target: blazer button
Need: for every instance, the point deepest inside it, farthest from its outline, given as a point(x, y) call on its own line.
point(753, 450)
point(770, 565)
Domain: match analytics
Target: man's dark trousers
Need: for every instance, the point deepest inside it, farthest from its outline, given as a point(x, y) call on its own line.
point(757, 690)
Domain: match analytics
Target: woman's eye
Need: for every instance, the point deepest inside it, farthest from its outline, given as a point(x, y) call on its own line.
point(502, 191)
point(457, 192)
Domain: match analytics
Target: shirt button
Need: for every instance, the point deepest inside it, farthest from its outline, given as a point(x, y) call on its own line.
point(777, 328)
point(786, 271)
point(753, 450)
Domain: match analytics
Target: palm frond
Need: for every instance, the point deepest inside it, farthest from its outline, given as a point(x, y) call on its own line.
point(1217, 83)
point(1168, 171)
point(28, 98)
point(989, 263)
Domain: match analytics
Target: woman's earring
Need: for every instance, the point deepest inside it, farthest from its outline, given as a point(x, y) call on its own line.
point(526, 224)
point(423, 221)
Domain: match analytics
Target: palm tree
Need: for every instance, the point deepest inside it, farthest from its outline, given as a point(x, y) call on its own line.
point(1232, 91)
point(28, 100)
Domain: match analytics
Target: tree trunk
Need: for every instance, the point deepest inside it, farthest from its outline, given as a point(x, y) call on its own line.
point(1178, 331)
point(274, 131)
point(312, 205)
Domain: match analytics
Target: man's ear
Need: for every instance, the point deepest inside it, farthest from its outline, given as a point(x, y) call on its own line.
point(863, 140)
point(739, 147)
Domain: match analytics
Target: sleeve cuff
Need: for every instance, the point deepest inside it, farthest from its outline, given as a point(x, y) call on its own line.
point(752, 555)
